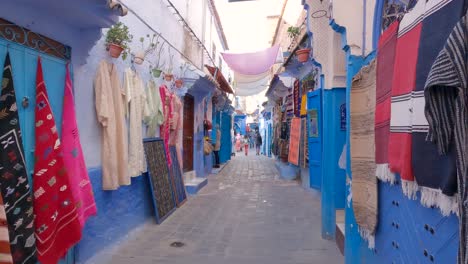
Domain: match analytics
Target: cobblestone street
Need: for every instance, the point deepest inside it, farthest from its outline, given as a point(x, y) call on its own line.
point(245, 215)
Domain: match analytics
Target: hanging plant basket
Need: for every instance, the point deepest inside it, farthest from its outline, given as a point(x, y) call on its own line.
point(303, 55)
point(156, 73)
point(139, 58)
point(179, 83)
point(115, 50)
point(168, 77)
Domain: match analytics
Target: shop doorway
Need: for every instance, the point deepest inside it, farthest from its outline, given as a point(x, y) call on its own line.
point(189, 109)
point(315, 138)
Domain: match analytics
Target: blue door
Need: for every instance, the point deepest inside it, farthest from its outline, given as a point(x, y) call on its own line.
point(24, 63)
point(314, 121)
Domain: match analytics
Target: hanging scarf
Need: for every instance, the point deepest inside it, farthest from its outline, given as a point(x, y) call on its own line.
point(14, 183)
point(385, 66)
point(364, 187)
point(434, 173)
point(166, 97)
point(403, 85)
point(56, 216)
point(73, 159)
point(446, 110)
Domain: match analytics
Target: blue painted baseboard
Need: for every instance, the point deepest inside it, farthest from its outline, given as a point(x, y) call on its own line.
point(194, 187)
point(119, 212)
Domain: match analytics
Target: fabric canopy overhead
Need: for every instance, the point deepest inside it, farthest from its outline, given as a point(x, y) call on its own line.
point(242, 78)
point(251, 88)
point(252, 63)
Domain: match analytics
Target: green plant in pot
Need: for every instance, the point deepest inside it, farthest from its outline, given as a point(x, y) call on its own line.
point(117, 39)
point(293, 32)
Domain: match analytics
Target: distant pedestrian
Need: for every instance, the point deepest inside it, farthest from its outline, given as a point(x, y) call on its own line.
point(238, 142)
point(246, 144)
point(258, 143)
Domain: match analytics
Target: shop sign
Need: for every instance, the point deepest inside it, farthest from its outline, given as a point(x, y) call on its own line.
point(313, 123)
point(343, 117)
point(294, 139)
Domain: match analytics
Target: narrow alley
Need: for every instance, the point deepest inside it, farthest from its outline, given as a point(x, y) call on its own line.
point(246, 214)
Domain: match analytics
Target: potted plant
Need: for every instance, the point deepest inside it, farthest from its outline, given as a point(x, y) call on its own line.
point(303, 54)
point(293, 32)
point(155, 69)
point(140, 56)
point(117, 40)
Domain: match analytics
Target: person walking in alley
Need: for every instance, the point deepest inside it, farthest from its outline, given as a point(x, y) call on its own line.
point(258, 143)
point(238, 142)
point(246, 144)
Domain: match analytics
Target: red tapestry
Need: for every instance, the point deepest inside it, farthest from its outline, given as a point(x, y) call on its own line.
point(56, 222)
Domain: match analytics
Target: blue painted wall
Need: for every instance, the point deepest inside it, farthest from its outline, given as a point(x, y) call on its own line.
point(333, 178)
point(314, 101)
point(240, 123)
point(118, 213)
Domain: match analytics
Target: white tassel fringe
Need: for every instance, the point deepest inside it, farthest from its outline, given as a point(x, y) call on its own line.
point(367, 236)
point(410, 189)
point(446, 204)
point(384, 174)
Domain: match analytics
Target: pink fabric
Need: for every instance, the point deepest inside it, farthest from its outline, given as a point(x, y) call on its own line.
point(166, 98)
point(73, 159)
point(254, 63)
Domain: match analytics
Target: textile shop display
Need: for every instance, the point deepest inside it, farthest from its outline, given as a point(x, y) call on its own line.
point(176, 126)
point(56, 217)
point(154, 115)
point(135, 100)
point(73, 158)
point(362, 138)
point(294, 141)
point(176, 178)
point(158, 172)
point(447, 113)
point(110, 114)
point(5, 251)
point(14, 184)
point(434, 173)
point(385, 64)
point(403, 84)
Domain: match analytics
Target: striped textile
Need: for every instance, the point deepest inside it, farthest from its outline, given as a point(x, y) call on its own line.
point(362, 126)
point(446, 110)
point(435, 174)
point(5, 252)
point(403, 84)
point(385, 62)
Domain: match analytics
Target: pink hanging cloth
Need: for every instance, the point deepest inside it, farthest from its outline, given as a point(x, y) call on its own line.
point(166, 98)
point(80, 185)
point(57, 227)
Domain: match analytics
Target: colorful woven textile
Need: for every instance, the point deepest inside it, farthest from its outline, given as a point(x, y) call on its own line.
point(447, 113)
point(385, 66)
point(5, 251)
point(403, 84)
point(362, 127)
point(56, 217)
point(434, 173)
point(14, 183)
point(73, 158)
point(166, 98)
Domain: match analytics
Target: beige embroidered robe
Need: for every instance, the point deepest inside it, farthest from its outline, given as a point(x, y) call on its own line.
point(110, 114)
point(154, 115)
point(136, 100)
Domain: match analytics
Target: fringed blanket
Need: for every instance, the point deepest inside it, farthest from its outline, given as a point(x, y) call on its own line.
point(403, 84)
point(434, 173)
point(385, 63)
point(14, 184)
point(447, 113)
point(364, 185)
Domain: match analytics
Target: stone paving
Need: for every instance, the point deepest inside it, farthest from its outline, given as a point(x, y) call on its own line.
point(245, 215)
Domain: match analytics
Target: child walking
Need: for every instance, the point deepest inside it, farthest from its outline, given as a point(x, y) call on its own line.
point(246, 144)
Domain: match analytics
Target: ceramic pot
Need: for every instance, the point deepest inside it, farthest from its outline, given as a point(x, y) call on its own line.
point(179, 83)
point(303, 55)
point(139, 58)
point(168, 77)
point(156, 73)
point(115, 50)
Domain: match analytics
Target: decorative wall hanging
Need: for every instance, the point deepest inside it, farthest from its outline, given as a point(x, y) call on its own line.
point(176, 177)
point(158, 175)
point(294, 141)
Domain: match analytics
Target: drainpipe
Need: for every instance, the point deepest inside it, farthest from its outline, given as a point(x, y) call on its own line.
point(364, 18)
